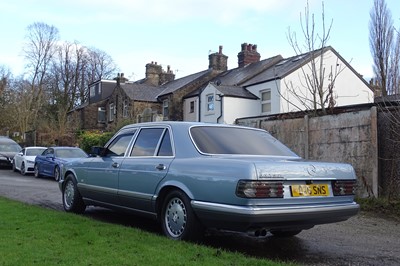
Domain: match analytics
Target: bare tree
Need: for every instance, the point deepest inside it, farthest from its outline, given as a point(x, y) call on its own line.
point(5, 81)
point(385, 50)
point(38, 50)
point(381, 40)
point(5, 75)
point(316, 82)
point(394, 66)
point(100, 65)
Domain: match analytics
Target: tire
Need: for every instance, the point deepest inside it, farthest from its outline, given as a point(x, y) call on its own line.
point(57, 173)
point(23, 170)
point(36, 171)
point(178, 220)
point(71, 198)
point(279, 233)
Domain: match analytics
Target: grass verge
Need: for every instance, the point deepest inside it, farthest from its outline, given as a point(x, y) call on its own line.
point(382, 207)
point(32, 235)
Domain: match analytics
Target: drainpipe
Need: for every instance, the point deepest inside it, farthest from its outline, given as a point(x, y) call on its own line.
point(220, 111)
point(199, 113)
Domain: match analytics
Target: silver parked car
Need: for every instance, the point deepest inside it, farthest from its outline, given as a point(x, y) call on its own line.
point(25, 159)
point(193, 176)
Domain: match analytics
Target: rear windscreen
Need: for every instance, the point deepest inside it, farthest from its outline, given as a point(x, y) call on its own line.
point(231, 140)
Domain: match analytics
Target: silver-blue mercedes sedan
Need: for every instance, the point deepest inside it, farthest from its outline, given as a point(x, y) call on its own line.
point(194, 176)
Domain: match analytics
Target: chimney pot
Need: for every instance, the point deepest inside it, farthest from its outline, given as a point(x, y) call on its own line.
point(220, 49)
point(244, 45)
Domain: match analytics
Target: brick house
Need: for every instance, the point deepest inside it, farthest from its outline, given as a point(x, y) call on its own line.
point(156, 97)
point(256, 87)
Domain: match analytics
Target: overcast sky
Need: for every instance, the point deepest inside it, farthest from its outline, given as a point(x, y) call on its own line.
point(182, 33)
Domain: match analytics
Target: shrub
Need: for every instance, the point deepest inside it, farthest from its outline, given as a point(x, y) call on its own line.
point(90, 139)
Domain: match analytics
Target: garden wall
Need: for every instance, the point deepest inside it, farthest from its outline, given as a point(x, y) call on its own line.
point(349, 136)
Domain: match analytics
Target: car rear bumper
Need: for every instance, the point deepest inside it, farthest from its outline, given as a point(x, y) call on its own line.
point(5, 163)
point(244, 218)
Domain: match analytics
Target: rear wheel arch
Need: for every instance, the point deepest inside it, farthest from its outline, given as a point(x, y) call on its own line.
point(163, 193)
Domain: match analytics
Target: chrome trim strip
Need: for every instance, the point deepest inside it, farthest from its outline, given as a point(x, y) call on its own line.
point(249, 210)
point(136, 195)
point(98, 188)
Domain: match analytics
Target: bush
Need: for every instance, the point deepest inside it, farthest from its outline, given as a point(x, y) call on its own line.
point(89, 139)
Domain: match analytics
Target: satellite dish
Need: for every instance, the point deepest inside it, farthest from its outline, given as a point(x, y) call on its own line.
point(218, 82)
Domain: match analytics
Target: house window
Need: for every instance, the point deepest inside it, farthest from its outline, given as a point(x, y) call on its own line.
point(165, 109)
point(266, 101)
point(112, 112)
point(92, 92)
point(101, 115)
point(125, 112)
point(210, 102)
point(192, 107)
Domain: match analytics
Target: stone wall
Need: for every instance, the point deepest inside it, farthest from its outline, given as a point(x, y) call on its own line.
point(348, 137)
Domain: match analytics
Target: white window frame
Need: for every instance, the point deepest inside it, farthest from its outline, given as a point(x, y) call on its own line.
point(210, 102)
point(111, 114)
point(165, 109)
point(125, 111)
point(191, 107)
point(101, 115)
point(266, 101)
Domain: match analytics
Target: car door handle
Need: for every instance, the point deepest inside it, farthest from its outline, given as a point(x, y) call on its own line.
point(115, 165)
point(161, 167)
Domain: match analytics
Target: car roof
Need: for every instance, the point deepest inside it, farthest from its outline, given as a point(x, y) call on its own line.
point(63, 147)
point(34, 147)
point(180, 124)
point(5, 140)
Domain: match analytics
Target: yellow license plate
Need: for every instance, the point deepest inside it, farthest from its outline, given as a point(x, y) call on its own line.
point(310, 190)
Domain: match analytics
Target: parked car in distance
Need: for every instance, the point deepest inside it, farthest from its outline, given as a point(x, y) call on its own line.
point(24, 160)
point(193, 176)
point(52, 159)
point(8, 149)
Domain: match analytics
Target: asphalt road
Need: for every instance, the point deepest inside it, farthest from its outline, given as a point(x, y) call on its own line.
point(362, 240)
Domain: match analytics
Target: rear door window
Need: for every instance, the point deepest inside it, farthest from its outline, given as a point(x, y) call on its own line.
point(149, 141)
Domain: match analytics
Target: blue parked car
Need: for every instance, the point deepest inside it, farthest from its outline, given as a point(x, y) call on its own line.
point(51, 160)
point(193, 176)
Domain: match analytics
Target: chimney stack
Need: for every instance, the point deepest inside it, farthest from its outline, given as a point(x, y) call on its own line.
point(153, 72)
point(218, 61)
point(120, 79)
point(167, 76)
point(248, 55)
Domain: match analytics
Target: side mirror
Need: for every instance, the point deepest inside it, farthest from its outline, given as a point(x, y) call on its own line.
point(97, 151)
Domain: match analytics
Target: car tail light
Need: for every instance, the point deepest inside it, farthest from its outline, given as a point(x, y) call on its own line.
point(344, 187)
point(259, 189)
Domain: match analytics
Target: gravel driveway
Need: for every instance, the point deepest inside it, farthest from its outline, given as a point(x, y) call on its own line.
point(362, 240)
